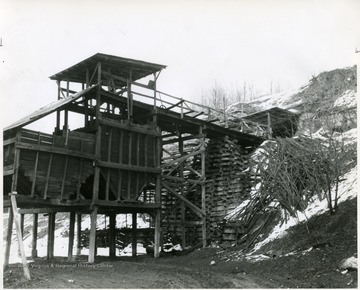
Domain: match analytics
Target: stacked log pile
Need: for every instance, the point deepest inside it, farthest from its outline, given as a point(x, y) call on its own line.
point(228, 183)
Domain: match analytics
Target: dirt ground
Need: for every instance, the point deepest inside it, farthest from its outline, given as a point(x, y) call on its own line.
point(308, 257)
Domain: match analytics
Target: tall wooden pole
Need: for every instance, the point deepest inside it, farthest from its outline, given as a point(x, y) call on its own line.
point(157, 237)
point(92, 238)
point(71, 235)
point(78, 234)
point(112, 237)
point(8, 237)
point(22, 218)
point(51, 235)
point(203, 188)
point(34, 235)
point(134, 234)
point(181, 174)
point(19, 235)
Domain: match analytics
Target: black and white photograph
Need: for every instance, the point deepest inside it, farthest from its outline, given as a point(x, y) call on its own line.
point(179, 144)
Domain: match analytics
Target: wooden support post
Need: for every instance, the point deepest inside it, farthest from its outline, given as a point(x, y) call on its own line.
point(78, 234)
point(51, 236)
point(158, 150)
point(181, 175)
point(71, 235)
point(203, 188)
point(92, 238)
point(8, 238)
point(64, 178)
point(22, 218)
point(134, 234)
point(35, 169)
point(112, 237)
point(154, 91)
point(157, 233)
point(19, 235)
point(34, 235)
point(48, 176)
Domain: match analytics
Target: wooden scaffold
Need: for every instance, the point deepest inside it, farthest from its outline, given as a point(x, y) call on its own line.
point(135, 152)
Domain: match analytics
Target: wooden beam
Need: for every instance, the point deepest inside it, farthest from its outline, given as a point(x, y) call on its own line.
point(51, 235)
point(78, 234)
point(192, 206)
point(64, 178)
point(203, 188)
point(181, 159)
point(48, 177)
point(157, 233)
point(112, 236)
point(134, 236)
point(127, 167)
point(92, 238)
point(35, 169)
point(157, 159)
point(71, 235)
point(19, 235)
point(8, 237)
point(34, 235)
point(131, 127)
point(54, 150)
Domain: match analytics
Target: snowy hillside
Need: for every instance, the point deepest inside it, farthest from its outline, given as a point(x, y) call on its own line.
point(328, 102)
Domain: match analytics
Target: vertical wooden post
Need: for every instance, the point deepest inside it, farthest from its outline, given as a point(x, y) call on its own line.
point(51, 236)
point(57, 128)
point(19, 235)
point(8, 237)
point(112, 237)
point(203, 189)
point(92, 238)
point(134, 234)
point(154, 91)
point(129, 96)
point(22, 217)
point(157, 233)
point(98, 140)
point(78, 234)
point(71, 235)
point(158, 150)
point(35, 169)
point(34, 235)
point(11, 213)
point(181, 174)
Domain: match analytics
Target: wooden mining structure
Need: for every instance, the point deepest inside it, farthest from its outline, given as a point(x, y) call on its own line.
point(137, 150)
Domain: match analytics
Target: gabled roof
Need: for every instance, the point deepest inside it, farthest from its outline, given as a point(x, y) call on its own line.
point(116, 65)
point(48, 109)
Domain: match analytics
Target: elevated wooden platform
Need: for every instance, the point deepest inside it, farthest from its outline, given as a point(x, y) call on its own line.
point(138, 150)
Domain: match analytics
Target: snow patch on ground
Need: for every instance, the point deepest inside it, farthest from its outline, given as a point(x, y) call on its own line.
point(62, 240)
point(281, 100)
point(346, 100)
point(347, 190)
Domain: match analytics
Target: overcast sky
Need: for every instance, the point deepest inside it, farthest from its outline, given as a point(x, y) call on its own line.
point(201, 42)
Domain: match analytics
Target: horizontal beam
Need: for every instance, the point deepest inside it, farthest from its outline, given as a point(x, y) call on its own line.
point(55, 150)
point(128, 167)
point(127, 205)
point(183, 180)
point(8, 170)
point(9, 141)
point(132, 128)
